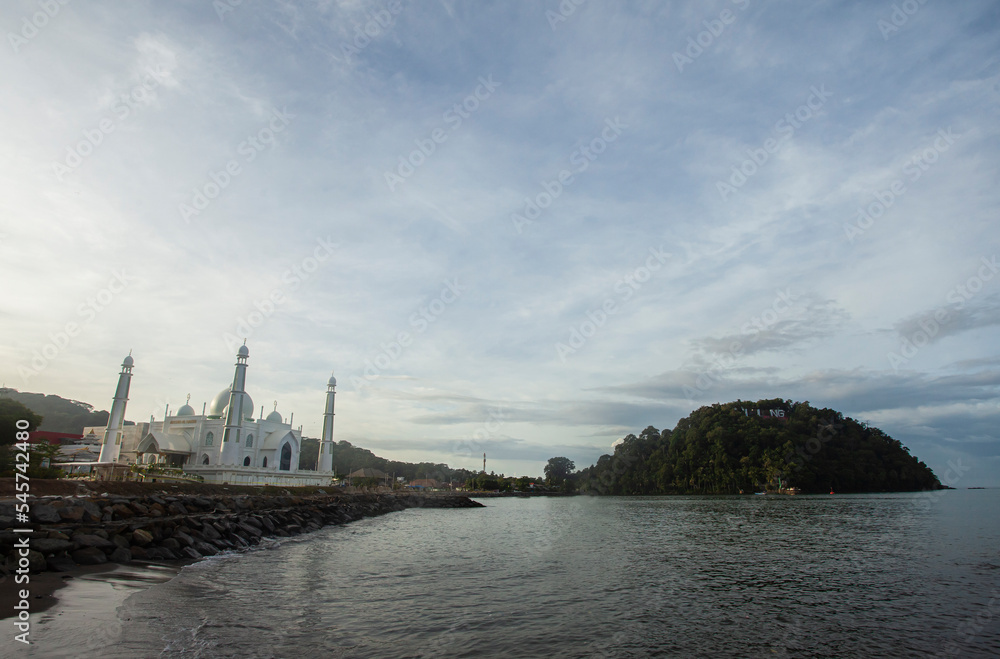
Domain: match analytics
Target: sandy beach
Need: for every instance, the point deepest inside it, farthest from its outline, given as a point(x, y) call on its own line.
point(76, 614)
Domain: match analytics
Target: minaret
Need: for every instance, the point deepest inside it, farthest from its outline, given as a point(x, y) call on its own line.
point(484, 462)
point(113, 435)
point(326, 443)
point(232, 435)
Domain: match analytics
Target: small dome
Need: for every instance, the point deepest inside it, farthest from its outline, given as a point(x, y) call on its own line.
point(333, 381)
point(274, 417)
point(186, 409)
point(128, 361)
point(243, 351)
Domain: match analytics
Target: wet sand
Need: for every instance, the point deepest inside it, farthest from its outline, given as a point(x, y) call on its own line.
point(42, 588)
point(78, 616)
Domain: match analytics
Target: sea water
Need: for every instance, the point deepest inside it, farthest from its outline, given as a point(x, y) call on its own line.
point(877, 575)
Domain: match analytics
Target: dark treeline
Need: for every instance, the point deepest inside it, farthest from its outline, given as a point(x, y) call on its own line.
point(59, 414)
point(348, 458)
point(720, 449)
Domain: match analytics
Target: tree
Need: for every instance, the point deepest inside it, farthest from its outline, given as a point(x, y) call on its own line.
point(558, 470)
point(11, 412)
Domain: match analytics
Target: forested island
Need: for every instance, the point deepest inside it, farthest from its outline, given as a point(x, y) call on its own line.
point(768, 445)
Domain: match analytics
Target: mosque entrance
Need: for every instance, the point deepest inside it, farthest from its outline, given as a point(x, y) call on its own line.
point(286, 458)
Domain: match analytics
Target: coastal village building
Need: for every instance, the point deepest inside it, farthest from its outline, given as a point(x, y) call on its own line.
point(223, 444)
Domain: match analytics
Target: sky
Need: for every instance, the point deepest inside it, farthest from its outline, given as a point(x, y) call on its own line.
point(519, 228)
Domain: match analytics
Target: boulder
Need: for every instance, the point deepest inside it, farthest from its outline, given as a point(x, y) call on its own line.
point(89, 556)
point(205, 549)
point(139, 508)
point(251, 531)
point(71, 513)
point(177, 508)
point(45, 514)
point(92, 512)
point(121, 541)
point(141, 537)
point(60, 564)
point(253, 521)
point(184, 538)
point(190, 552)
point(36, 561)
point(166, 554)
point(120, 555)
point(138, 552)
point(172, 544)
point(122, 511)
point(85, 540)
point(50, 545)
point(209, 532)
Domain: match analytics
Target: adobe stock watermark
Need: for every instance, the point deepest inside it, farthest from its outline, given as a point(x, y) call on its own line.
point(420, 320)
point(126, 106)
point(453, 117)
point(934, 322)
point(826, 431)
point(580, 159)
point(753, 328)
point(971, 627)
point(292, 278)
point(566, 9)
point(714, 27)
point(784, 130)
point(913, 170)
point(86, 313)
point(625, 288)
point(898, 17)
point(203, 194)
point(378, 24)
point(32, 25)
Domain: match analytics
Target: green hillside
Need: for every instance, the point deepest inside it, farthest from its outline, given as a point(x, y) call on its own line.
point(59, 414)
point(749, 446)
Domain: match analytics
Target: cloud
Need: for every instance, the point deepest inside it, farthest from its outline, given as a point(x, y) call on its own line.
point(360, 105)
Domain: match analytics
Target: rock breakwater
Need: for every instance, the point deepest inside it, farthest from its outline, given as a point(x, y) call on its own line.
point(72, 531)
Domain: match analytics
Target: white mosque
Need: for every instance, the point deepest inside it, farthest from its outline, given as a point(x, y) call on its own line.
point(223, 444)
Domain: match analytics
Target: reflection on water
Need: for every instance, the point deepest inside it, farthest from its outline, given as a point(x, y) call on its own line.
point(865, 575)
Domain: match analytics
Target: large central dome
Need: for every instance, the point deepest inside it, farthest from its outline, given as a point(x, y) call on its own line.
point(220, 404)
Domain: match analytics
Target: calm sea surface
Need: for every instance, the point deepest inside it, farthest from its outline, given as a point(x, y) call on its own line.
point(893, 575)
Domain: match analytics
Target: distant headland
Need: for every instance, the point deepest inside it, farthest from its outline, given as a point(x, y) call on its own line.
point(770, 445)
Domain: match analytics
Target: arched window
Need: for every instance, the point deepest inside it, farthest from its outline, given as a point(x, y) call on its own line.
point(264, 463)
point(286, 458)
point(246, 461)
point(250, 441)
point(204, 459)
point(209, 439)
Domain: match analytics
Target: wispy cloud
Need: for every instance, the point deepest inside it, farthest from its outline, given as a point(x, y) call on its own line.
point(369, 82)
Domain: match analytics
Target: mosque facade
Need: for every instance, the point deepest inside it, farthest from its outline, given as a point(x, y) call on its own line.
point(223, 444)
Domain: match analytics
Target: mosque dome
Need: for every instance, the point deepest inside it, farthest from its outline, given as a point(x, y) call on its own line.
point(243, 351)
point(128, 361)
point(274, 417)
point(333, 381)
point(186, 409)
point(220, 404)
